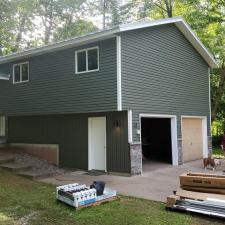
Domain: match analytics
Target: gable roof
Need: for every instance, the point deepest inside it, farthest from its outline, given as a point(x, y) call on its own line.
point(113, 32)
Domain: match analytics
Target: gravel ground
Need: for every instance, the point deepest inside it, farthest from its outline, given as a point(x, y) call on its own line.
point(38, 165)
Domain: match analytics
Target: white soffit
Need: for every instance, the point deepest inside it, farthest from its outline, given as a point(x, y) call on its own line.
point(4, 77)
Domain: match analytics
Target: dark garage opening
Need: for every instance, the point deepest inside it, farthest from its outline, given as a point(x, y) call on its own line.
point(156, 140)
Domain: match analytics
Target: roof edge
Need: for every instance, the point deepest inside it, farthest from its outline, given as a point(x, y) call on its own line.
point(85, 39)
point(106, 34)
point(198, 45)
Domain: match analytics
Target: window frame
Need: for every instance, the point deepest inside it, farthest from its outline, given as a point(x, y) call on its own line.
point(86, 52)
point(21, 81)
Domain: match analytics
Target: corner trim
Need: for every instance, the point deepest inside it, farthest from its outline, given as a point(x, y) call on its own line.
point(130, 128)
point(119, 88)
point(210, 104)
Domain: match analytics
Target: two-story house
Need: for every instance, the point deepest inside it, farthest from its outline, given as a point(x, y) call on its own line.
point(106, 100)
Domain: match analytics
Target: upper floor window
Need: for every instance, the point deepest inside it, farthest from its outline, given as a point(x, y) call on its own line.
point(87, 60)
point(20, 72)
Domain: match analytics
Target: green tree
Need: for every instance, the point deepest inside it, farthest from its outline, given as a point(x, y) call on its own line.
point(73, 20)
point(73, 29)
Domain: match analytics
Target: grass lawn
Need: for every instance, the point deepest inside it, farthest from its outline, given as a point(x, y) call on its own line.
point(25, 202)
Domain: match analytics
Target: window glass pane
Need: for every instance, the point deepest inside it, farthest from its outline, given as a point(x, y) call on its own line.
point(17, 73)
point(93, 59)
point(81, 61)
point(25, 72)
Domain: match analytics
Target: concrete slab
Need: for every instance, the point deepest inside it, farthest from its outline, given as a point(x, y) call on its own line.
point(34, 175)
point(154, 184)
point(15, 167)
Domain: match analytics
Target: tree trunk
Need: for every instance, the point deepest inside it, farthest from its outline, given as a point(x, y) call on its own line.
point(20, 33)
point(104, 8)
point(169, 8)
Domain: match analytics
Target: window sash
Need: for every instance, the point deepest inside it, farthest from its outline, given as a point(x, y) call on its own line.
point(87, 63)
point(21, 72)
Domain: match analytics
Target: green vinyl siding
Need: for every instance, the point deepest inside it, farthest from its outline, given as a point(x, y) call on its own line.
point(162, 74)
point(70, 132)
point(54, 87)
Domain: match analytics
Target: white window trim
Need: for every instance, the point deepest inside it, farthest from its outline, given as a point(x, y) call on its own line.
point(20, 64)
point(86, 51)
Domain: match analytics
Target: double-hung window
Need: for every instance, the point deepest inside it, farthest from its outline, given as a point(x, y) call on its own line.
point(87, 60)
point(21, 72)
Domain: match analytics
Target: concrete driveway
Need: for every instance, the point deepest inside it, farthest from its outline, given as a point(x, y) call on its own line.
point(156, 184)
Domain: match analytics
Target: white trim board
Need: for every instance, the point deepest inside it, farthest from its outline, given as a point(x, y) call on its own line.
point(130, 126)
point(173, 133)
point(105, 34)
point(204, 132)
point(210, 104)
point(119, 86)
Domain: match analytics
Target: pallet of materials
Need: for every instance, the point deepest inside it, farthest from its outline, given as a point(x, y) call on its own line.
point(206, 204)
point(80, 196)
point(201, 181)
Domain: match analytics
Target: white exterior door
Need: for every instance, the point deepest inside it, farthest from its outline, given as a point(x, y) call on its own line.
point(97, 143)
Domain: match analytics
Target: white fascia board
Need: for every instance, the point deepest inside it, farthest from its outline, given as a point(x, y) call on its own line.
point(97, 36)
point(146, 24)
point(197, 44)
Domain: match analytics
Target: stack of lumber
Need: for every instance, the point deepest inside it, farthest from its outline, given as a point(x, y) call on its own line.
point(200, 193)
point(200, 182)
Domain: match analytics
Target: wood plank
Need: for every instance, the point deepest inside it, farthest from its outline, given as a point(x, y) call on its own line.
point(202, 180)
point(198, 195)
point(205, 189)
point(98, 202)
point(171, 200)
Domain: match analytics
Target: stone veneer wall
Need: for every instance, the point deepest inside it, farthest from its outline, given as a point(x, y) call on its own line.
point(136, 158)
point(180, 155)
point(180, 152)
point(210, 144)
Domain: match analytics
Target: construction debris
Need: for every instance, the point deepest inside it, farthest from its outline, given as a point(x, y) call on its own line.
point(80, 196)
point(205, 195)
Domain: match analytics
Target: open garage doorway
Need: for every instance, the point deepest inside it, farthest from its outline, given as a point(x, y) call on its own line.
point(158, 139)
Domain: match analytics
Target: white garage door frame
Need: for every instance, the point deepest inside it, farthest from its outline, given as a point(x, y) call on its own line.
point(204, 131)
point(173, 119)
